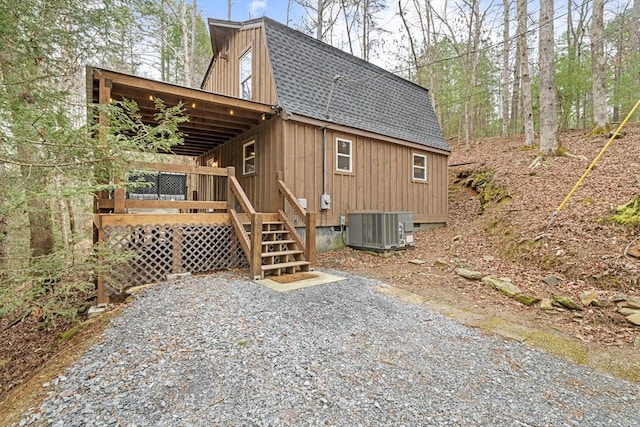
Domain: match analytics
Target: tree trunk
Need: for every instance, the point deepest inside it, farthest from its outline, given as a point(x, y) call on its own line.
point(320, 20)
point(414, 55)
point(186, 56)
point(4, 232)
point(365, 30)
point(72, 219)
point(525, 78)
point(515, 94)
point(599, 97)
point(192, 54)
point(546, 56)
point(635, 28)
point(505, 69)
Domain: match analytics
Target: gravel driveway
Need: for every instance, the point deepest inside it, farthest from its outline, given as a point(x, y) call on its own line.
point(218, 350)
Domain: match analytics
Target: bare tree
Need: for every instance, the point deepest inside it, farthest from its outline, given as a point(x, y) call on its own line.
point(635, 28)
point(320, 16)
point(414, 54)
point(505, 67)
point(186, 51)
point(525, 78)
point(546, 54)
point(599, 97)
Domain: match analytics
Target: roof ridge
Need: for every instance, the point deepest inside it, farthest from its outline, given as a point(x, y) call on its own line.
point(335, 50)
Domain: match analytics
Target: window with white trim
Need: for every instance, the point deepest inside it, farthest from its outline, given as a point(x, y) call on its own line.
point(419, 167)
point(344, 155)
point(245, 75)
point(249, 158)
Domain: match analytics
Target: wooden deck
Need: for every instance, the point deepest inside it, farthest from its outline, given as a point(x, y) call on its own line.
point(212, 226)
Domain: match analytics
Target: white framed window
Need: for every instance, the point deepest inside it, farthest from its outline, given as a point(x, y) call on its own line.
point(419, 167)
point(249, 158)
point(344, 155)
point(245, 75)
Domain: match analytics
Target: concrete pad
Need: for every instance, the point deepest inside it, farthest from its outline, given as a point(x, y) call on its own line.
point(320, 279)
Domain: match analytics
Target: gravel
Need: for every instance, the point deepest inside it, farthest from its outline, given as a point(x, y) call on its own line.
point(219, 350)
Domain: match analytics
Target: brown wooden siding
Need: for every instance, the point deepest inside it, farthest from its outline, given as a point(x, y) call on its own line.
point(224, 76)
point(259, 186)
point(382, 177)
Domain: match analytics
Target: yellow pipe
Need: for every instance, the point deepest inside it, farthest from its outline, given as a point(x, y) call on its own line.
point(584, 175)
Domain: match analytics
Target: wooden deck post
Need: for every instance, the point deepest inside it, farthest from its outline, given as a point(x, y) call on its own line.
point(279, 198)
point(102, 297)
point(119, 200)
point(310, 239)
point(255, 261)
point(231, 198)
point(104, 97)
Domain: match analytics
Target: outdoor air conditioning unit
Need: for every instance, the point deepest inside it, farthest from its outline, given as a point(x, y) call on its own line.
point(380, 230)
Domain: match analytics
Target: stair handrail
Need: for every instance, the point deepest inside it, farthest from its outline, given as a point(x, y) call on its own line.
point(250, 245)
point(238, 192)
point(309, 218)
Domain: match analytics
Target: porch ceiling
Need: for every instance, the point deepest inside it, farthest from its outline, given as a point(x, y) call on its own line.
point(213, 119)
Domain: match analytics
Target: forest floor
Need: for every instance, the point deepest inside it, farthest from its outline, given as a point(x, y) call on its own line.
point(505, 237)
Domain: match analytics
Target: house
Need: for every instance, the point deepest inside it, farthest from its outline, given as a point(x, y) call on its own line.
point(286, 137)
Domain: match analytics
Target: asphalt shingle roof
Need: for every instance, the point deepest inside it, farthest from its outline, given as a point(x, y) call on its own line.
point(365, 96)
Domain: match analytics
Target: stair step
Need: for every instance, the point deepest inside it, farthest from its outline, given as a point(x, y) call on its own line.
point(265, 223)
point(277, 242)
point(271, 232)
point(280, 253)
point(284, 265)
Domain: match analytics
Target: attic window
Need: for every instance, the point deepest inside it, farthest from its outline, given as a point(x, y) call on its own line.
point(245, 75)
point(419, 167)
point(249, 158)
point(343, 155)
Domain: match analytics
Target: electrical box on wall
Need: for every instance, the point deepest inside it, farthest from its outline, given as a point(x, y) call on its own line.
point(325, 201)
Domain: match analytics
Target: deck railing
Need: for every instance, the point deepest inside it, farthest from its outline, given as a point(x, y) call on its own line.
point(293, 215)
point(252, 245)
point(208, 227)
point(205, 190)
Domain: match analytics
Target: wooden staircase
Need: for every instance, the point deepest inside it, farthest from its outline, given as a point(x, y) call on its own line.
point(270, 240)
point(280, 252)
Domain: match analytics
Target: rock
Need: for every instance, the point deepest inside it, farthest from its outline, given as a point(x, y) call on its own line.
point(588, 298)
point(488, 258)
point(178, 277)
point(457, 237)
point(441, 262)
point(469, 274)
point(626, 311)
point(632, 303)
point(619, 297)
point(96, 310)
point(636, 342)
point(504, 287)
point(551, 280)
point(634, 251)
point(527, 299)
point(566, 302)
point(546, 304)
point(417, 261)
point(634, 319)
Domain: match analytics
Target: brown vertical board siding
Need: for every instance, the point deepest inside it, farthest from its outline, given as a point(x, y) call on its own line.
point(259, 186)
point(225, 73)
point(382, 178)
